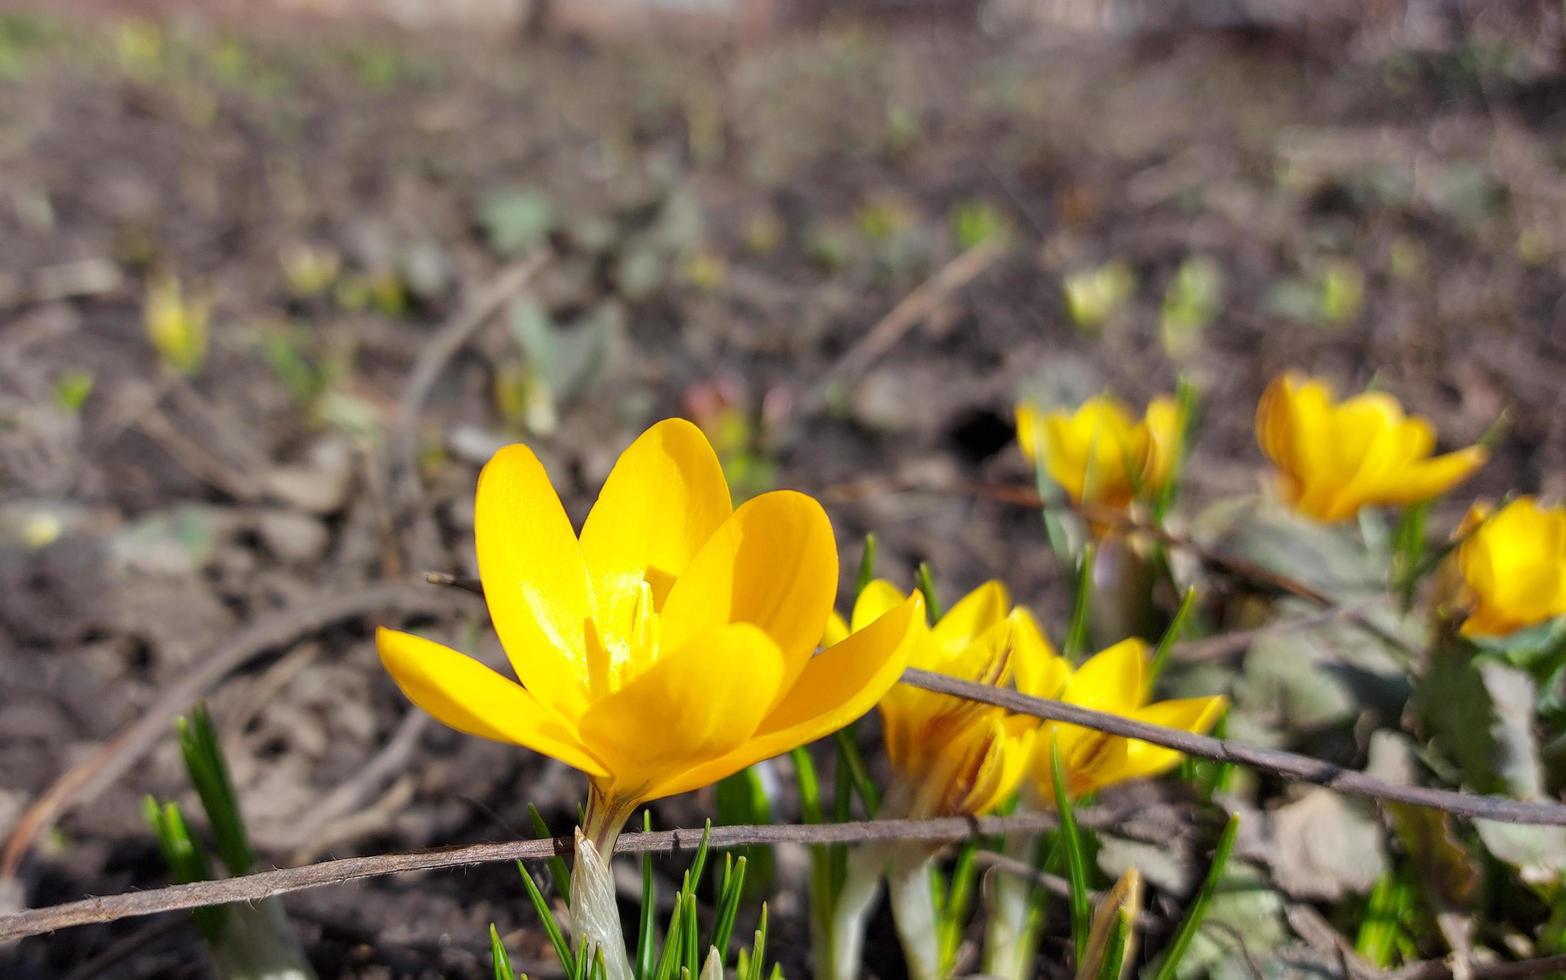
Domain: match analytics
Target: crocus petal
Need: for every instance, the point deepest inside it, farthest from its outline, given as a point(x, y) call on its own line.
point(694, 705)
point(772, 564)
point(875, 600)
point(1110, 680)
point(1144, 759)
point(535, 581)
point(973, 614)
point(463, 693)
point(1039, 671)
point(836, 630)
point(838, 686)
point(1027, 430)
point(1435, 476)
point(662, 501)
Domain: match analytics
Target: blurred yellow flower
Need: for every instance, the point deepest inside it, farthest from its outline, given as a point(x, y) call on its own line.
point(1114, 680)
point(1514, 567)
point(1335, 457)
point(950, 756)
point(1102, 455)
point(176, 326)
point(671, 645)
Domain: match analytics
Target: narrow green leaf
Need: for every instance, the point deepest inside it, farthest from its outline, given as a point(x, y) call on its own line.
point(568, 961)
point(691, 958)
point(953, 910)
point(851, 760)
point(728, 909)
point(186, 858)
point(558, 872)
point(499, 957)
point(758, 955)
point(600, 968)
point(1408, 550)
point(1204, 896)
point(866, 565)
point(1076, 862)
point(198, 742)
point(932, 601)
point(646, 936)
point(1076, 634)
point(1171, 636)
point(698, 865)
point(777, 971)
point(671, 943)
point(1115, 949)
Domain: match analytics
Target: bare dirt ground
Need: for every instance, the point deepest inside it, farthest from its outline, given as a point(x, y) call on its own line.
point(720, 228)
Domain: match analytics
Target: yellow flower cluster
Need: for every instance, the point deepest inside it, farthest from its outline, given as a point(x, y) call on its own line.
point(954, 757)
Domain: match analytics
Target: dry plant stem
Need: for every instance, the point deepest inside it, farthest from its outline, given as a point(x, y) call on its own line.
point(252, 887)
point(268, 632)
point(1287, 764)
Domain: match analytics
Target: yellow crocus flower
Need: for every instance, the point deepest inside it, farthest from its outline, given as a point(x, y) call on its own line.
point(668, 646)
point(950, 756)
point(1113, 680)
point(1514, 567)
point(1335, 457)
point(176, 325)
point(1100, 454)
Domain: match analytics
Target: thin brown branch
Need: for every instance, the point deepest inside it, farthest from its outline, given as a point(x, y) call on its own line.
point(254, 887)
point(1286, 764)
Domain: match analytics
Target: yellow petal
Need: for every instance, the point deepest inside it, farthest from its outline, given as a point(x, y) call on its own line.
point(1027, 430)
point(1111, 680)
point(1165, 427)
point(772, 564)
point(1143, 760)
point(836, 630)
point(693, 706)
point(463, 693)
point(1039, 671)
point(1433, 477)
point(973, 614)
point(535, 581)
point(838, 686)
point(662, 501)
point(875, 600)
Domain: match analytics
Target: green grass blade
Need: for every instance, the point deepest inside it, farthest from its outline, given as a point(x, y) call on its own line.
point(646, 935)
point(866, 566)
point(499, 957)
point(1115, 949)
point(1204, 897)
point(1076, 633)
point(850, 759)
point(568, 961)
point(1076, 862)
point(728, 909)
point(758, 953)
point(1171, 636)
point(186, 858)
point(691, 951)
point(558, 872)
point(956, 903)
point(198, 742)
point(932, 601)
point(669, 961)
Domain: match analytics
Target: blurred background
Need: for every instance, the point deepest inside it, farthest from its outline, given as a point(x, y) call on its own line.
point(277, 277)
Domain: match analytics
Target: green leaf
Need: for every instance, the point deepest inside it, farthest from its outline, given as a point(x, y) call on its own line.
point(1076, 861)
point(646, 936)
point(669, 961)
point(559, 874)
point(515, 218)
point(1076, 633)
point(499, 957)
point(1171, 636)
point(1115, 950)
point(932, 601)
point(850, 760)
point(1176, 951)
point(186, 858)
point(568, 961)
point(728, 907)
point(208, 770)
point(866, 566)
